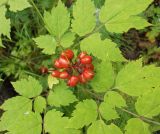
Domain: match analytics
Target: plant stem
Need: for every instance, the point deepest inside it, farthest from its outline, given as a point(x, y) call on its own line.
point(39, 13)
point(30, 73)
point(141, 117)
point(37, 10)
point(94, 95)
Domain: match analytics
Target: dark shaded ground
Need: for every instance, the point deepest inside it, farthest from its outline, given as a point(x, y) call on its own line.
point(6, 91)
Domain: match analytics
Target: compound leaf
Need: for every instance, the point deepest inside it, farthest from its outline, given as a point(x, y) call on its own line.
point(107, 111)
point(99, 127)
point(125, 24)
point(113, 129)
point(84, 20)
point(67, 39)
point(18, 103)
point(21, 123)
point(18, 117)
point(102, 49)
point(119, 16)
point(3, 2)
point(4, 23)
point(111, 100)
point(54, 123)
point(84, 114)
point(137, 126)
point(135, 80)
point(114, 99)
point(61, 96)
point(47, 43)
point(39, 104)
point(28, 87)
point(148, 104)
point(58, 21)
point(18, 5)
point(103, 79)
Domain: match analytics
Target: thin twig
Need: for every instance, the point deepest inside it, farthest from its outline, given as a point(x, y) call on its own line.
point(33, 74)
point(141, 117)
point(39, 13)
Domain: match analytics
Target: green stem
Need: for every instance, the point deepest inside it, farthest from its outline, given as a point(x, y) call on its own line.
point(141, 117)
point(39, 13)
point(33, 74)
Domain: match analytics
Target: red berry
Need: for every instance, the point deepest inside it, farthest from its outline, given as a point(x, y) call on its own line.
point(55, 73)
point(73, 81)
point(86, 60)
point(82, 79)
point(68, 54)
point(44, 70)
point(57, 64)
point(64, 63)
point(88, 74)
point(89, 66)
point(82, 54)
point(64, 75)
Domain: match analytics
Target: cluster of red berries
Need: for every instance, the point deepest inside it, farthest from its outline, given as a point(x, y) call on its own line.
point(79, 72)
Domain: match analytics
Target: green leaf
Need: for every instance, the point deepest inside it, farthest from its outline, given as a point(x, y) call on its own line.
point(58, 21)
point(148, 104)
point(107, 111)
point(84, 114)
point(114, 99)
point(125, 24)
point(137, 126)
point(3, 2)
point(20, 123)
point(18, 5)
point(113, 129)
point(28, 87)
point(47, 43)
point(103, 79)
point(102, 49)
point(4, 23)
point(16, 107)
point(52, 81)
point(67, 39)
point(54, 123)
point(135, 80)
point(62, 96)
point(111, 100)
point(84, 20)
point(99, 127)
point(39, 104)
point(18, 103)
point(119, 15)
